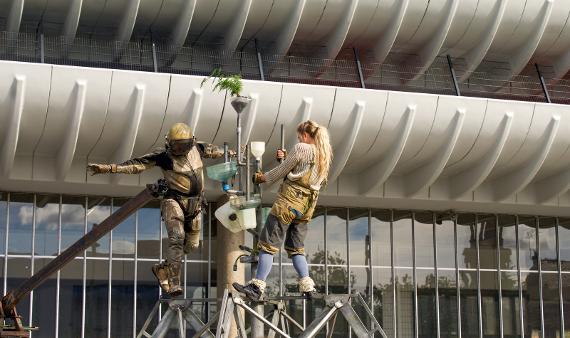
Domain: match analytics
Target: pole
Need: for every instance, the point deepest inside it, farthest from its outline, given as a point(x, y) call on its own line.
point(154, 61)
point(453, 77)
point(543, 84)
point(359, 68)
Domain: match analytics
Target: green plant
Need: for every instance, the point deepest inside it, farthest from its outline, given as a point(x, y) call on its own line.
point(229, 83)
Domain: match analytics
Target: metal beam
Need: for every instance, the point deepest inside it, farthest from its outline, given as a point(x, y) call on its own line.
point(342, 153)
point(376, 175)
point(67, 150)
point(516, 181)
point(470, 179)
point(424, 176)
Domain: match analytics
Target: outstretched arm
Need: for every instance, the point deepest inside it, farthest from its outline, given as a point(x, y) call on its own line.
point(133, 166)
point(208, 150)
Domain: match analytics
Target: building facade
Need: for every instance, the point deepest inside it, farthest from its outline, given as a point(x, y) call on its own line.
point(448, 204)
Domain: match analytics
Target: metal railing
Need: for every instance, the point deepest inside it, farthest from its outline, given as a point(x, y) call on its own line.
point(350, 69)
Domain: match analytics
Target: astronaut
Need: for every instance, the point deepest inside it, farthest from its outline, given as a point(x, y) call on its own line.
point(181, 165)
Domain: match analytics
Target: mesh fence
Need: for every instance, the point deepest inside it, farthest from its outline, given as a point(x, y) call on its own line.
point(397, 72)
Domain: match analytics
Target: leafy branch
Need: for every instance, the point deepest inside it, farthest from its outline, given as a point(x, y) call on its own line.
point(229, 83)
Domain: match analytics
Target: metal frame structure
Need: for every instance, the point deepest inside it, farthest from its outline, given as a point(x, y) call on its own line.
point(180, 313)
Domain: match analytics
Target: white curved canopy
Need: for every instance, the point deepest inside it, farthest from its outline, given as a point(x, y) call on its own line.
point(392, 149)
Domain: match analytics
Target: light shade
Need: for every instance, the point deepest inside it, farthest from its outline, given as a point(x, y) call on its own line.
point(257, 149)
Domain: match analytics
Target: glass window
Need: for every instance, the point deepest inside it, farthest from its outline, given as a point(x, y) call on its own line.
point(44, 303)
point(551, 304)
point(122, 297)
point(124, 234)
point(360, 278)
point(402, 227)
point(469, 304)
point(547, 236)
point(423, 229)
point(564, 242)
point(405, 302)
point(566, 302)
point(358, 237)
point(295, 307)
point(487, 229)
point(96, 298)
point(21, 221)
point(71, 299)
point(72, 220)
point(511, 304)
point(149, 231)
point(336, 236)
point(531, 304)
point(147, 294)
point(47, 225)
point(98, 209)
point(20, 269)
point(447, 304)
point(527, 244)
point(466, 242)
point(380, 238)
point(384, 299)
point(490, 303)
point(444, 231)
point(508, 242)
point(427, 320)
point(3, 221)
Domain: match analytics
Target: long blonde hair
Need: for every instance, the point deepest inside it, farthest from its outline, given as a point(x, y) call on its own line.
point(324, 154)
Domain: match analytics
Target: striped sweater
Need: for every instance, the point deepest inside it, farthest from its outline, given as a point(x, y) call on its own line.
point(296, 165)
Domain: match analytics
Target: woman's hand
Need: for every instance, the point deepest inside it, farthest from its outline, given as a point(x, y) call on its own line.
point(281, 154)
point(259, 177)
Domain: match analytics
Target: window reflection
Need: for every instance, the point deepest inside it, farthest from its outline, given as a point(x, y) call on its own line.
point(466, 241)
point(402, 227)
point(336, 236)
point(44, 300)
point(487, 232)
point(547, 235)
point(551, 305)
point(404, 302)
point(380, 238)
point(423, 228)
point(528, 253)
point(47, 225)
point(3, 222)
point(20, 269)
point(469, 304)
point(122, 297)
point(124, 234)
point(447, 304)
point(98, 209)
point(511, 304)
point(21, 220)
point(72, 220)
point(490, 303)
point(149, 231)
point(426, 303)
point(445, 241)
point(96, 302)
point(508, 242)
point(358, 237)
point(531, 304)
point(384, 299)
point(70, 299)
point(564, 240)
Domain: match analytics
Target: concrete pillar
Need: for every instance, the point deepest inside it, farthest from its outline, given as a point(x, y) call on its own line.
point(226, 254)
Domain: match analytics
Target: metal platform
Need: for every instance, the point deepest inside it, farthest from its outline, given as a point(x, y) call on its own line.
point(180, 314)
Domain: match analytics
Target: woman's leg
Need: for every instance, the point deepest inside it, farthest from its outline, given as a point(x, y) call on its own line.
point(264, 265)
point(300, 265)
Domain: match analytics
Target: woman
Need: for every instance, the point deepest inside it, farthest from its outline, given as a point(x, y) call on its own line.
point(305, 171)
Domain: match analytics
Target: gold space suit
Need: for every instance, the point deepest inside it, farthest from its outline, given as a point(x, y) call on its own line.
point(182, 168)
